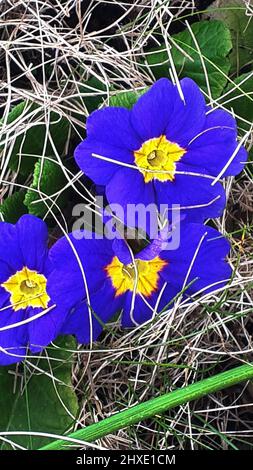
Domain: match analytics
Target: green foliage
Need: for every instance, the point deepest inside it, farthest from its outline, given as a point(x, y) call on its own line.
point(233, 14)
point(240, 100)
point(126, 99)
point(13, 207)
point(32, 400)
point(214, 42)
point(30, 144)
point(49, 179)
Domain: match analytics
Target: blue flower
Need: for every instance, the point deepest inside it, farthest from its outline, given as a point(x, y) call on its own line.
point(138, 286)
point(163, 151)
point(25, 279)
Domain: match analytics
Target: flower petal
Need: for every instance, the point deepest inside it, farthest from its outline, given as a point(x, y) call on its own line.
point(11, 354)
point(144, 310)
point(153, 110)
point(103, 304)
point(98, 169)
point(198, 200)
point(44, 330)
point(127, 188)
point(23, 244)
point(13, 341)
point(188, 117)
point(109, 134)
point(33, 237)
point(113, 125)
point(200, 255)
point(10, 254)
point(66, 285)
point(68, 256)
point(215, 145)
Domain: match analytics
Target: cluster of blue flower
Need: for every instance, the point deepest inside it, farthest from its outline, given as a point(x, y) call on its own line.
point(169, 148)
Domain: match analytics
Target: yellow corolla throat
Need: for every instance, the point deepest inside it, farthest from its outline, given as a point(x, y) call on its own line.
point(159, 157)
point(123, 276)
point(27, 289)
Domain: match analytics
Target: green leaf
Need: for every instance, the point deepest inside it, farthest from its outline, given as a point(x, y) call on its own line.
point(30, 400)
point(240, 100)
point(13, 207)
point(214, 43)
point(48, 180)
point(233, 14)
point(29, 144)
point(126, 99)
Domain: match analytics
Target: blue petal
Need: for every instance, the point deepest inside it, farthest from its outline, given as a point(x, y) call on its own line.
point(214, 146)
point(33, 236)
point(6, 270)
point(144, 310)
point(23, 244)
point(98, 169)
point(109, 134)
point(11, 259)
point(44, 330)
point(12, 354)
point(220, 118)
point(14, 340)
point(197, 198)
point(4, 299)
point(153, 110)
point(162, 111)
point(128, 187)
point(202, 252)
point(188, 117)
point(103, 304)
point(141, 313)
point(66, 285)
point(93, 255)
point(113, 125)
point(121, 250)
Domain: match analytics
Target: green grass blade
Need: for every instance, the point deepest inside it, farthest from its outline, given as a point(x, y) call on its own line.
point(157, 405)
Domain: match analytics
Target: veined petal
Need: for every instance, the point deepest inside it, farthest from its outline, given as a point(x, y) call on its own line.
point(13, 341)
point(188, 116)
point(104, 306)
point(99, 169)
point(154, 109)
point(214, 146)
point(113, 125)
point(199, 261)
point(23, 244)
point(144, 310)
point(32, 236)
point(109, 135)
point(198, 200)
point(127, 188)
point(43, 330)
point(70, 256)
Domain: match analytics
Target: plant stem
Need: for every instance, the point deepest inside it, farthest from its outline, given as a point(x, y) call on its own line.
point(156, 406)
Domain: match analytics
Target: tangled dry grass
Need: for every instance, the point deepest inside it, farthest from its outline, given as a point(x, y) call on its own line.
point(47, 48)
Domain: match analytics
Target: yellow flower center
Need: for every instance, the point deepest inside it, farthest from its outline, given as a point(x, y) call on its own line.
point(123, 277)
point(27, 289)
point(157, 159)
